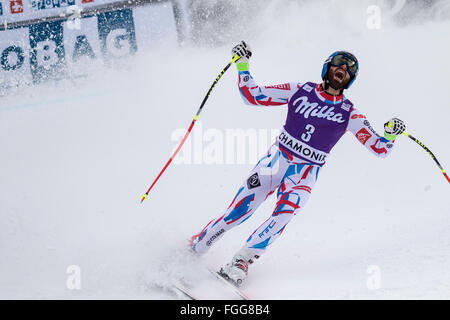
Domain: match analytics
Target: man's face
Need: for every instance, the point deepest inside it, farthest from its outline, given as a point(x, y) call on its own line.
point(338, 76)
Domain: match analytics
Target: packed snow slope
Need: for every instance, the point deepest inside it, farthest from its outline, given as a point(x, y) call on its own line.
point(76, 156)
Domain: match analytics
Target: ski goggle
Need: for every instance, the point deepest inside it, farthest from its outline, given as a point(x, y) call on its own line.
point(340, 59)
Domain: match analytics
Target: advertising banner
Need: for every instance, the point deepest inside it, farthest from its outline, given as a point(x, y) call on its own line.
point(50, 48)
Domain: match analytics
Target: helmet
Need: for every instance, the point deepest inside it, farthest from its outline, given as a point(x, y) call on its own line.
point(339, 58)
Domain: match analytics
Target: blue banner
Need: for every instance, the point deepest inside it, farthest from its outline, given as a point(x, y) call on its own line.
point(77, 42)
point(55, 45)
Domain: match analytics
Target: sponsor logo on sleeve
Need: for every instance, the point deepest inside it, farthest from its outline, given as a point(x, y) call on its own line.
point(285, 86)
point(358, 116)
point(367, 124)
point(363, 135)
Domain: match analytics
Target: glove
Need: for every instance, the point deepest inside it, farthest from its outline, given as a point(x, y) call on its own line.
point(393, 128)
point(243, 51)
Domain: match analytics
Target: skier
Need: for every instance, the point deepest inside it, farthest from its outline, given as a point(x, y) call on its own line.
point(318, 116)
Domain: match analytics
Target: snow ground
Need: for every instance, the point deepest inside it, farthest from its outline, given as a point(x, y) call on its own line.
point(76, 157)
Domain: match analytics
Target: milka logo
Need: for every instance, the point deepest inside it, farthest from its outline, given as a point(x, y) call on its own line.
point(314, 110)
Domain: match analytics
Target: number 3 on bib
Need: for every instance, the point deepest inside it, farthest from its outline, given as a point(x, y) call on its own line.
point(309, 131)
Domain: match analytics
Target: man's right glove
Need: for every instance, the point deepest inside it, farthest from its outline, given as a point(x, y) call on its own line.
point(243, 51)
point(393, 128)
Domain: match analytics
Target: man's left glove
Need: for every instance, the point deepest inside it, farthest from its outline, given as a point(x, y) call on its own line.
point(243, 51)
point(393, 128)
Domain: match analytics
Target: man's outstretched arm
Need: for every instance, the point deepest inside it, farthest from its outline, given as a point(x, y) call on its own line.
point(376, 144)
point(250, 91)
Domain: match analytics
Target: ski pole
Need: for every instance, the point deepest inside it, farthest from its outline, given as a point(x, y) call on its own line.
point(235, 58)
point(429, 152)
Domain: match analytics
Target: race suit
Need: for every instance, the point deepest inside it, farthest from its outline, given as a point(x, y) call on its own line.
point(314, 124)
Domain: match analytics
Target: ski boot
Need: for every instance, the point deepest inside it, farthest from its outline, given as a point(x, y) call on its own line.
point(236, 271)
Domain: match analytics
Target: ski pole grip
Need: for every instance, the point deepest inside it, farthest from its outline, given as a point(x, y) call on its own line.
point(235, 58)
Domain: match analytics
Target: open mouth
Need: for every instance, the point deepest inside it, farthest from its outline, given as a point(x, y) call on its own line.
point(339, 75)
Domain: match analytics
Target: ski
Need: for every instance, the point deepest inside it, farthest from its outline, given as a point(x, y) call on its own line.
point(229, 285)
point(184, 292)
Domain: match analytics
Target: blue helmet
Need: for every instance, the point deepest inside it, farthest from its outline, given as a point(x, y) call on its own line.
point(339, 58)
